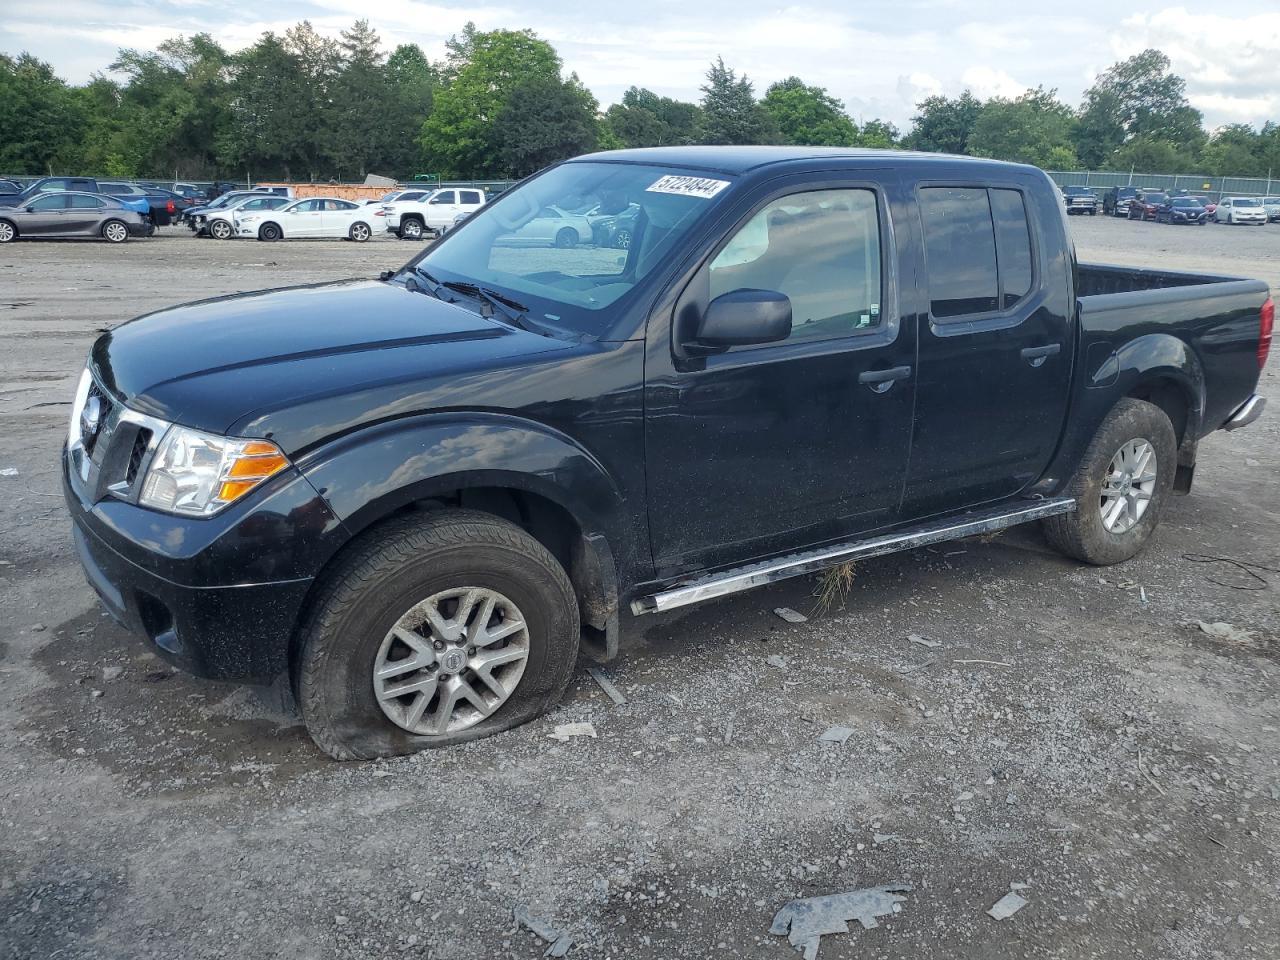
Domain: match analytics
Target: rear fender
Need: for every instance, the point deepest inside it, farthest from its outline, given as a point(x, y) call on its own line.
point(1146, 363)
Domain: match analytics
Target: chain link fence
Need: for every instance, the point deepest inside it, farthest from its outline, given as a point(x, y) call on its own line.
point(1214, 188)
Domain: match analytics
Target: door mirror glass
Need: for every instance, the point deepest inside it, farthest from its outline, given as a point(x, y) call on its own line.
point(745, 317)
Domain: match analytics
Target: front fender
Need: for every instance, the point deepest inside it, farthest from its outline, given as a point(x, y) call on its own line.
point(371, 473)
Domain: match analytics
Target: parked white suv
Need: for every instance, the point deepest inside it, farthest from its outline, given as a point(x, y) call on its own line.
point(436, 212)
point(1240, 210)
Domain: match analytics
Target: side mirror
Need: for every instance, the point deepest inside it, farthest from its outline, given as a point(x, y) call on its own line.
point(743, 317)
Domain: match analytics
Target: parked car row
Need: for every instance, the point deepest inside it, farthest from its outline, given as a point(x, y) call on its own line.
point(71, 213)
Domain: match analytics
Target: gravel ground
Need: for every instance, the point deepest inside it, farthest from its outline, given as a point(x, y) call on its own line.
point(1062, 727)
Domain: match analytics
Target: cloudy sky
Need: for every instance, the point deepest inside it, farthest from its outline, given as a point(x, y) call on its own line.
point(879, 56)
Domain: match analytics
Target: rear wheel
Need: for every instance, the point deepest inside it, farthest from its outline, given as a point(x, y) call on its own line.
point(411, 230)
point(8, 232)
point(220, 230)
point(269, 231)
point(435, 629)
point(113, 231)
point(1120, 487)
point(360, 232)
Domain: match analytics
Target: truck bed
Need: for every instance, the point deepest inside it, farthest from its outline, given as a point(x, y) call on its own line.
point(1096, 279)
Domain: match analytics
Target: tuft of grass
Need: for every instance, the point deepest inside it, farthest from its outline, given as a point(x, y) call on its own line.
point(834, 585)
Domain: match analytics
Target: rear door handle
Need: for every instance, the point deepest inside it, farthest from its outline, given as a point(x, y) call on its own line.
point(882, 380)
point(1036, 356)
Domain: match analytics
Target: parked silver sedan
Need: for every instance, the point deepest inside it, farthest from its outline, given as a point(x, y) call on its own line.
point(68, 214)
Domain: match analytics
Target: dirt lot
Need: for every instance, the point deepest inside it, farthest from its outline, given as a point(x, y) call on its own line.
point(1073, 729)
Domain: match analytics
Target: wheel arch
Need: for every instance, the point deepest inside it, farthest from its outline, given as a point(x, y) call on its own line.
point(528, 474)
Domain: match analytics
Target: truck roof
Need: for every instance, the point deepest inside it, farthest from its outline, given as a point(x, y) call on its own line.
point(741, 159)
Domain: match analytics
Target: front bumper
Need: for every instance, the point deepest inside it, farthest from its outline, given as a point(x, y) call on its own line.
point(1246, 413)
point(219, 597)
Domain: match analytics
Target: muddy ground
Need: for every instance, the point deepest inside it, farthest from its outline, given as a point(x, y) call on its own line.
point(1071, 729)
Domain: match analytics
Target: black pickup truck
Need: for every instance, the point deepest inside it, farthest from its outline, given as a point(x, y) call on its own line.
point(422, 494)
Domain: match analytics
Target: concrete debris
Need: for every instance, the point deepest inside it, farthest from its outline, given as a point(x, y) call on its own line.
point(559, 940)
point(885, 837)
point(837, 734)
point(1006, 906)
point(9, 472)
point(923, 641)
point(1226, 631)
point(612, 692)
point(776, 661)
point(791, 616)
point(112, 673)
point(564, 731)
point(805, 922)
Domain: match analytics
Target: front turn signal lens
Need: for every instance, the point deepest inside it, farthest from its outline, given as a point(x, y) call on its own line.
point(197, 474)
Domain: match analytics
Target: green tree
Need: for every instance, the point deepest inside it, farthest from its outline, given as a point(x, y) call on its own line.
point(361, 106)
point(644, 119)
point(43, 122)
point(879, 134)
point(730, 113)
point(460, 137)
point(413, 81)
point(1235, 150)
point(1033, 128)
point(944, 125)
point(1137, 98)
point(309, 93)
point(266, 131)
point(545, 120)
point(1151, 155)
point(808, 115)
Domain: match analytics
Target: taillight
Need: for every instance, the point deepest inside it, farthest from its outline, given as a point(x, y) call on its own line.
point(1266, 321)
point(170, 207)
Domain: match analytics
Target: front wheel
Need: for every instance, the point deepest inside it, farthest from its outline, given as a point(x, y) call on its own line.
point(435, 629)
point(1120, 486)
point(220, 230)
point(113, 231)
point(8, 232)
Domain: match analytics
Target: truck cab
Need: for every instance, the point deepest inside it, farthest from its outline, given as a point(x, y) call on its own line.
point(411, 217)
point(802, 357)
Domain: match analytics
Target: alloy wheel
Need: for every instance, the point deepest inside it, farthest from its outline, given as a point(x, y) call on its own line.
point(220, 229)
point(451, 661)
point(1129, 486)
point(116, 232)
point(7, 232)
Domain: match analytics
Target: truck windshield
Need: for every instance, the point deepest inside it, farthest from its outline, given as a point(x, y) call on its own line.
point(577, 239)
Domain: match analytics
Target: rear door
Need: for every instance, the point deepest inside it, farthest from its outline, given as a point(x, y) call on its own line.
point(994, 363)
point(337, 216)
point(761, 449)
point(83, 214)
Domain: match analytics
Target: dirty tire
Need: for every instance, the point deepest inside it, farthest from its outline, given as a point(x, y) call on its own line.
point(397, 565)
point(1081, 534)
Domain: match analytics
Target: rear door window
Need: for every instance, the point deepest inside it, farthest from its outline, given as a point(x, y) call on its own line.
point(81, 202)
point(470, 196)
point(978, 250)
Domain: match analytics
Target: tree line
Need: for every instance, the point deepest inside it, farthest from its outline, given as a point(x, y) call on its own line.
point(305, 106)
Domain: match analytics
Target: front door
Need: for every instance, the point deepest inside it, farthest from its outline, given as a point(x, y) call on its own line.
point(995, 351)
point(305, 219)
point(757, 450)
point(441, 209)
point(45, 216)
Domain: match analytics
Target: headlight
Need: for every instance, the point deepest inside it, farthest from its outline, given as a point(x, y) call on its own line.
point(197, 474)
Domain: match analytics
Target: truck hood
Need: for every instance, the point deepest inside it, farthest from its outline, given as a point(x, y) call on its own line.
point(211, 364)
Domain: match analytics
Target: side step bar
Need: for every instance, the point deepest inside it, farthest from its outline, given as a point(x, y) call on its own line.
point(798, 564)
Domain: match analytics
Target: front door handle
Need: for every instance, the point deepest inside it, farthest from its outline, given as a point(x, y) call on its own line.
point(1036, 356)
point(882, 380)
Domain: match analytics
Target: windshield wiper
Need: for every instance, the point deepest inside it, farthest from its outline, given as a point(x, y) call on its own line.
point(515, 312)
point(420, 279)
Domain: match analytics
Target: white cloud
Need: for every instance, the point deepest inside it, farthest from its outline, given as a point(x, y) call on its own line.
point(987, 82)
